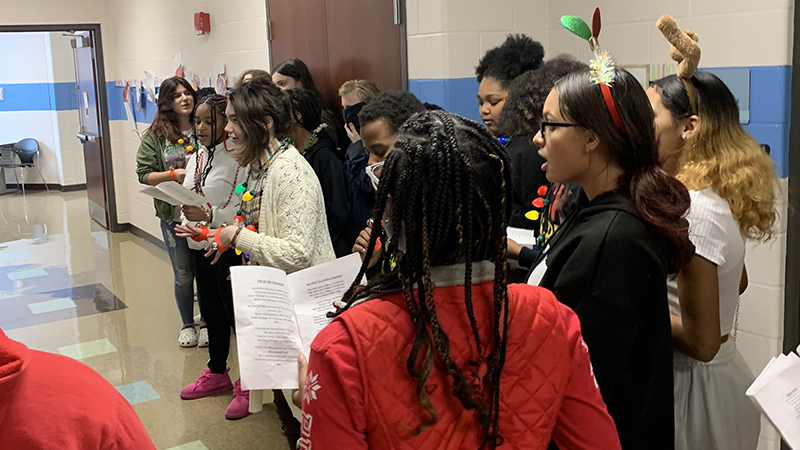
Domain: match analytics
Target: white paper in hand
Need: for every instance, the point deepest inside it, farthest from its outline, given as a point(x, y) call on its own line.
point(266, 329)
point(525, 238)
point(776, 392)
point(315, 289)
point(182, 194)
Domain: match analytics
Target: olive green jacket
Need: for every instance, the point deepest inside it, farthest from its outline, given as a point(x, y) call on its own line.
point(149, 159)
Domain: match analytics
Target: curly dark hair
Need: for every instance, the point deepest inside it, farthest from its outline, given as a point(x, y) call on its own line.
point(449, 179)
point(517, 55)
point(527, 93)
point(394, 107)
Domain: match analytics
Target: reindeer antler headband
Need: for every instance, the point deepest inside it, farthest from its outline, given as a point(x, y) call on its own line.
point(685, 51)
point(602, 66)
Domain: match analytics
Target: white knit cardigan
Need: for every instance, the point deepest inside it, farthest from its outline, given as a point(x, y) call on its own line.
point(292, 225)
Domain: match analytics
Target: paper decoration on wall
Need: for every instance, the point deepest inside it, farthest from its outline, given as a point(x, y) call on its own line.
point(219, 75)
point(150, 86)
point(659, 71)
point(141, 95)
point(177, 65)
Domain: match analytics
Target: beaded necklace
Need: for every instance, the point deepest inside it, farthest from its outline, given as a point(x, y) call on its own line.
point(310, 141)
point(198, 174)
point(313, 137)
point(250, 206)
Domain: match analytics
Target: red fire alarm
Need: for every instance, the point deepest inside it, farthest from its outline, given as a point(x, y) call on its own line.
point(202, 23)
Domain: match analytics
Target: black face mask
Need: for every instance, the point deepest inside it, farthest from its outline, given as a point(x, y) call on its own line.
point(351, 115)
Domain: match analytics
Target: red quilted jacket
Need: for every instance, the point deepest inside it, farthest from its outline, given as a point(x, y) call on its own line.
point(532, 385)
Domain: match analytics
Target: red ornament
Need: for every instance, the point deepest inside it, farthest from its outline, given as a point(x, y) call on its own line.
point(252, 228)
point(542, 191)
point(378, 244)
point(539, 203)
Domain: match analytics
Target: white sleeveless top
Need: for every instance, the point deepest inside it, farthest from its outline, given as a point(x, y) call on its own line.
point(715, 234)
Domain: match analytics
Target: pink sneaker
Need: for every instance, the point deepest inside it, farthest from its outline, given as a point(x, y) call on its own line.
point(208, 384)
point(240, 406)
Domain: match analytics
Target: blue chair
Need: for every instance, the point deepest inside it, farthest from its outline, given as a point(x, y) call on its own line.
point(25, 150)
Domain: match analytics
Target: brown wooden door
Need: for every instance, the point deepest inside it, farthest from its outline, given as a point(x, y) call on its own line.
point(90, 130)
point(340, 40)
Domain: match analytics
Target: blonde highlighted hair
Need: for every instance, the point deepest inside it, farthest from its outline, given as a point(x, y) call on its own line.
point(722, 155)
point(366, 89)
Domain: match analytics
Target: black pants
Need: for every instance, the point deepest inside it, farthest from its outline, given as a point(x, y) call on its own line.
point(289, 425)
point(215, 297)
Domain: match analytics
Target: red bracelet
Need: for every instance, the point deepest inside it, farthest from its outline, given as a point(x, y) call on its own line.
point(172, 175)
point(220, 247)
point(202, 236)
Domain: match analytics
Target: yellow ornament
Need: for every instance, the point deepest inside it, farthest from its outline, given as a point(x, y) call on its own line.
point(238, 252)
point(189, 148)
point(247, 196)
point(180, 141)
point(532, 215)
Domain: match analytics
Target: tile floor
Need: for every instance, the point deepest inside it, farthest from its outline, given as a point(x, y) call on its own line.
point(68, 286)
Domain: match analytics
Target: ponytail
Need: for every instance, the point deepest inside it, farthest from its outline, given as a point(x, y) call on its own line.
point(662, 201)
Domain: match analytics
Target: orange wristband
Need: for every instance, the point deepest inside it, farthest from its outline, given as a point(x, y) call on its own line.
point(202, 236)
point(220, 247)
point(172, 174)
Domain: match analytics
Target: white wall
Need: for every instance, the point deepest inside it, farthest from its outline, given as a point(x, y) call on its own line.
point(41, 58)
point(148, 34)
point(446, 38)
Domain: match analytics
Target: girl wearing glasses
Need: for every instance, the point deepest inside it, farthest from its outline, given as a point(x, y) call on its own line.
point(609, 261)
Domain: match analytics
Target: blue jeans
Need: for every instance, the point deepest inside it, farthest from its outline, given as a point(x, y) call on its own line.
point(183, 268)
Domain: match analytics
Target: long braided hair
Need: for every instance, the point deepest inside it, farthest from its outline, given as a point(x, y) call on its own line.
point(217, 104)
point(448, 180)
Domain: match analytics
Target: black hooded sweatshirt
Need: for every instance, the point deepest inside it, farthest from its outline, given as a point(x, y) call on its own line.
point(609, 267)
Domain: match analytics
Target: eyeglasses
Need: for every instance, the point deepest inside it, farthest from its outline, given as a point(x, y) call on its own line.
point(543, 124)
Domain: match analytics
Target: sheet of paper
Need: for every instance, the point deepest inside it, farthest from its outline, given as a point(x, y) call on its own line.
point(177, 65)
point(778, 397)
point(315, 289)
point(267, 337)
point(219, 68)
point(154, 192)
point(525, 238)
point(150, 86)
point(129, 115)
point(182, 194)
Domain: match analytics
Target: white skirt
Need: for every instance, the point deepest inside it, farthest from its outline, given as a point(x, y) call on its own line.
point(711, 409)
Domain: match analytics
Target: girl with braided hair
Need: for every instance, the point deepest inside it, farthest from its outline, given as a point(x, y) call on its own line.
point(213, 173)
point(281, 219)
point(441, 352)
point(311, 137)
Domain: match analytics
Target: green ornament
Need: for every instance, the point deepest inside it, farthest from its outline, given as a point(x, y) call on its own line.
point(577, 26)
point(241, 188)
point(540, 239)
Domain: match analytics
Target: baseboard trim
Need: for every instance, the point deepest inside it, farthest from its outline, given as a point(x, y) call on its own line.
point(145, 236)
point(53, 187)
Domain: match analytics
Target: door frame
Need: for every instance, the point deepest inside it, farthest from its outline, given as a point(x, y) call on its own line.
point(401, 5)
point(102, 104)
point(791, 307)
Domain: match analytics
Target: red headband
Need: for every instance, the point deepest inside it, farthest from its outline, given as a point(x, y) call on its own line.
point(612, 109)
